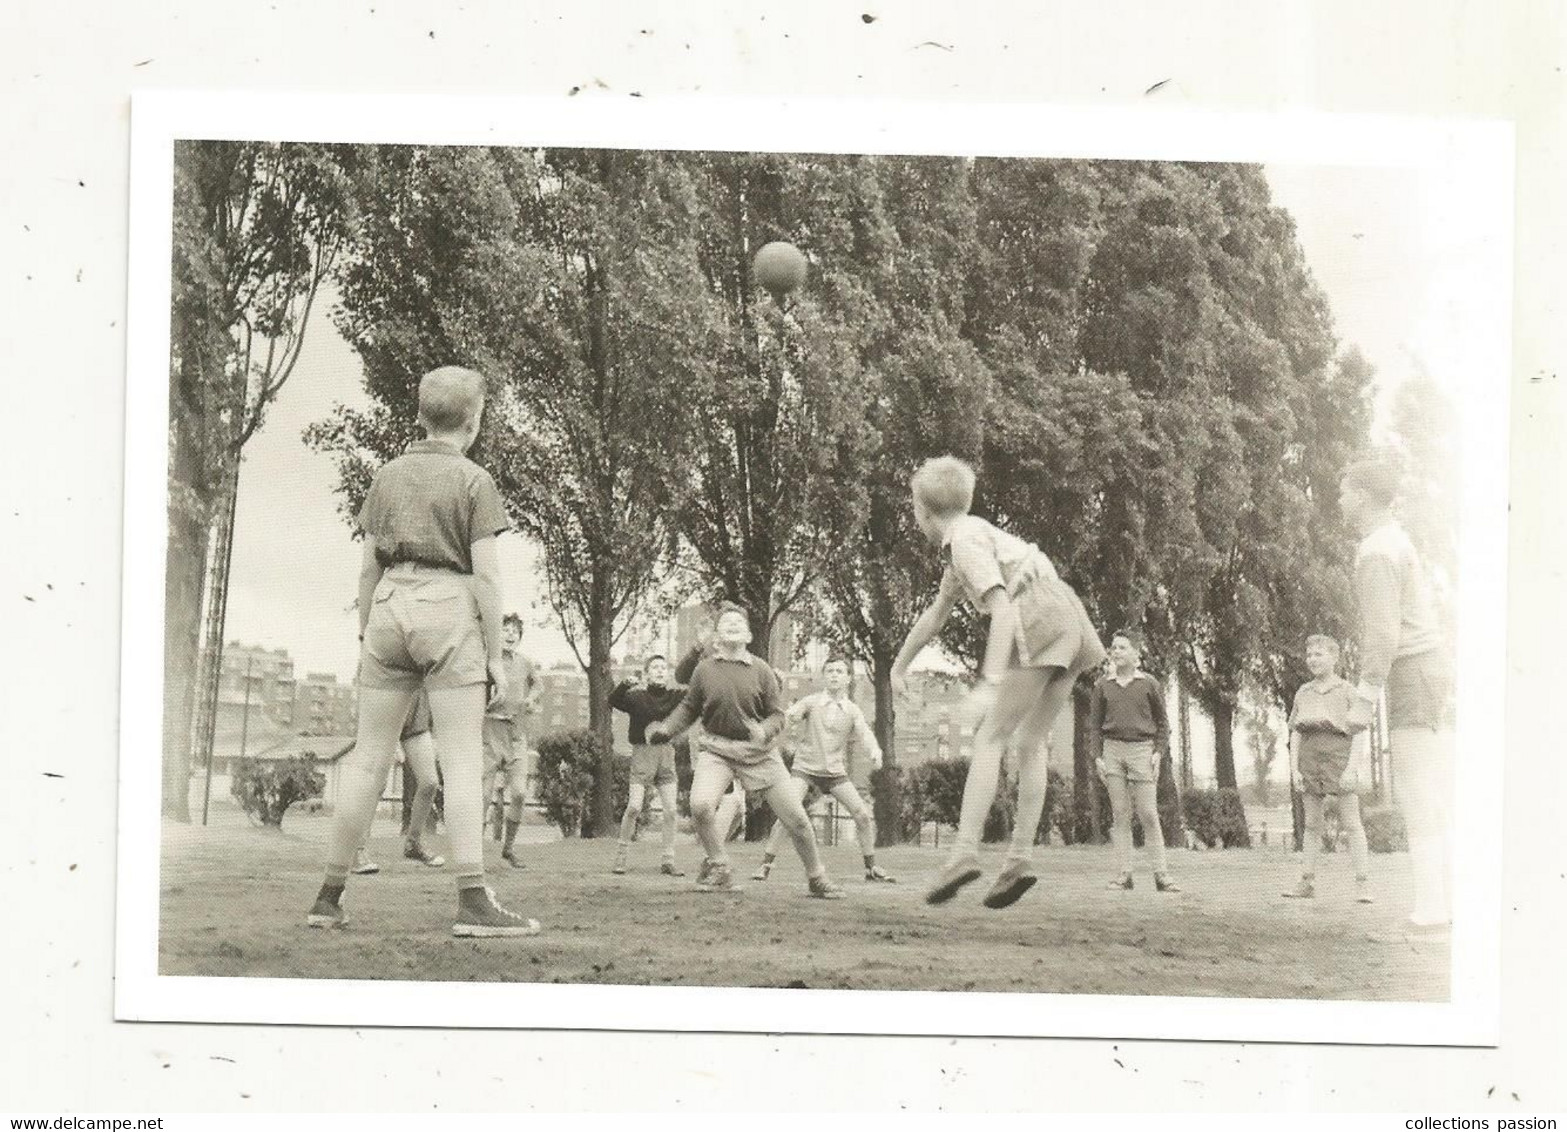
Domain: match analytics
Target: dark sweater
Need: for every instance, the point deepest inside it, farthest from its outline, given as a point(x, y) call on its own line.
point(644, 704)
point(727, 694)
point(1133, 713)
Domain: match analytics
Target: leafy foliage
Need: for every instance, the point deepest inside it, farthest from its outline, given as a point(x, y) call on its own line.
point(265, 789)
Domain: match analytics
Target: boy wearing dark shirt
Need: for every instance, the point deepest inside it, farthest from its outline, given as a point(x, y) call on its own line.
point(1129, 734)
point(737, 697)
point(652, 764)
point(430, 618)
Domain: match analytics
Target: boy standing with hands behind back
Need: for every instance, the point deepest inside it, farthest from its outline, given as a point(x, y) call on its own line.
point(429, 617)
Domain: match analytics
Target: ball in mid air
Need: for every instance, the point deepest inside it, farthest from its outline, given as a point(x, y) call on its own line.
point(779, 267)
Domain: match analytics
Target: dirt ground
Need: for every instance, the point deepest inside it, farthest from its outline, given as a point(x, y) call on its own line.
point(234, 899)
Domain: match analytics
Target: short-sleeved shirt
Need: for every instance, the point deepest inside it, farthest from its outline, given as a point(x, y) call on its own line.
point(430, 505)
point(980, 557)
point(521, 676)
point(1323, 706)
point(833, 723)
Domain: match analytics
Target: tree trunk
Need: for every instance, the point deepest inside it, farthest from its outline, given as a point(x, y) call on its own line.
point(184, 566)
point(1224, 744)
point(600, 635)
point(886, 797)
point(1087, 827)
point(1184, 702)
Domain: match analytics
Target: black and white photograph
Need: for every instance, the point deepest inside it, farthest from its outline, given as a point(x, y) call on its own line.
point(944, 561)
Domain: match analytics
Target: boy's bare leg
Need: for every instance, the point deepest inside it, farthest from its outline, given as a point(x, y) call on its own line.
point(864, 828)
point(786, 807)
point(1020, 690)
point(420, 754)
point(1349, 817)
point(731, 809)
point(458, 714)
point(711, 776)
point(1033, 738)
point(669, 800)
point(1422, 781)
point(381, 712)
point(776, 835)
point(628, 825)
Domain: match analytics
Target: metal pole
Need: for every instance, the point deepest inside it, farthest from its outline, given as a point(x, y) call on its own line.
point(244, 734)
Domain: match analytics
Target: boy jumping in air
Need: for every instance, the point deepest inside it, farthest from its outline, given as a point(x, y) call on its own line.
point(1040, 640)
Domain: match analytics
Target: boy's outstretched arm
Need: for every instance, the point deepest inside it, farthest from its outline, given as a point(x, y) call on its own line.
point(926, 628)
point(370, 571)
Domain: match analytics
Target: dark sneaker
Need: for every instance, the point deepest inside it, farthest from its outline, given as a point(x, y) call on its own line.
point(1163, 883)
point(877, 873)
point(1305, 889)
point(1016, 878)
point(510, 857)
point(1124, 882)
point(669, 869)
point(480, 916)
point(824, 888)
point(363, 865)
point(325, 914)
point(416, 852)
point(952, 879)
point(720, 878)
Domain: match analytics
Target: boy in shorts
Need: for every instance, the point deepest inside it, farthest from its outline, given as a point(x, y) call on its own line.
point(736, 696)
point(1403, 655)
point(1322, 730)
point(821, 769)
point(506, 737)
point(652, 764)
point(1040, 641)
point(1129, 735)
point(429, 618)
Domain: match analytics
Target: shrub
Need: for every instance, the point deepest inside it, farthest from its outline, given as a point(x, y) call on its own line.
point(568, 762)
point(1385, 831)
point(266, 790)
point(1217, 817)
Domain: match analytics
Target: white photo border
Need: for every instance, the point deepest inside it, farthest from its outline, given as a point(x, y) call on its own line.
point(1479, 150)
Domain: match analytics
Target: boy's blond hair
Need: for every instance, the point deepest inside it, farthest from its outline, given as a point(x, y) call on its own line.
point(449, 398)
point(945, 485)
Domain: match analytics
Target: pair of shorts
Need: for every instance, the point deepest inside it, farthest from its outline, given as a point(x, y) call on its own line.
point(753, 776)
point(821, 783)
point(423, 631)
point(501, 755)
point(1053, 629)
point(652, 764)
point(1419, 691)
point(1324, 757)
point(1131, 759)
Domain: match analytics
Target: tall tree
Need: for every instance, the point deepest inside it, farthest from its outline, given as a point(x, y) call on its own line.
point(256, 228)
point(569, 278)
point(767, 512)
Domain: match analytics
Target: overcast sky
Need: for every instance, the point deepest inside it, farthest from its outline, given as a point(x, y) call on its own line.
point(1402, 255)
